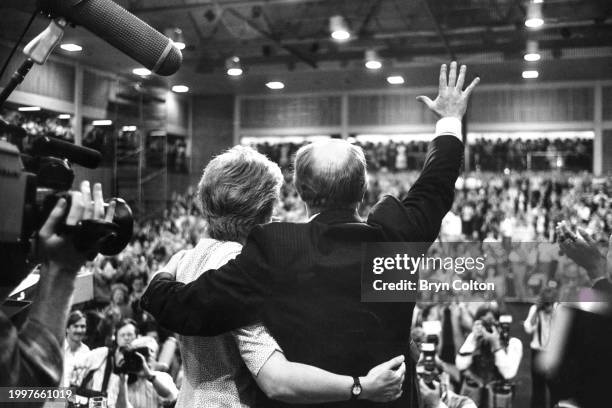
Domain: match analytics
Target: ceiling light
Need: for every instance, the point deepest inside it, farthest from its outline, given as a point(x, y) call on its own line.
point(143, 72)
point(71, 47)
point(395, 79)
point(233, 66)
point(532, 57)
point(29, 109)
point(129, 128)
point(538, 1)
point(176, 36)
point(64, 116)
point(338, 28)
point(102, 122)
point(534, 15)
point(372, 60)
point(180, 88)
point(530, 74)
point(532, 53)
point(275, 85)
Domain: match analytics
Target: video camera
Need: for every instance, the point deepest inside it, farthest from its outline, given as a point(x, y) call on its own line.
point(31, 183)
point(131, 364)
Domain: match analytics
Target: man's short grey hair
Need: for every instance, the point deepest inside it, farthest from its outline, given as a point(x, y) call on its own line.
point(330, 184)
point(238, 191)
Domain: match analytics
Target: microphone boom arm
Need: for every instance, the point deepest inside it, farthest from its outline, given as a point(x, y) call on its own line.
point(37, 51)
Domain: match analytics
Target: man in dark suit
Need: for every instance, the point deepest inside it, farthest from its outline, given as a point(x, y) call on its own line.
point(303, 280)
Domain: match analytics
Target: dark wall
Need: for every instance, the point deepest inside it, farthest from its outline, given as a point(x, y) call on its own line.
point(213, 127)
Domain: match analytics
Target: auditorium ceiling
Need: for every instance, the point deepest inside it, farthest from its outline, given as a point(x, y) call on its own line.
point(289, 40)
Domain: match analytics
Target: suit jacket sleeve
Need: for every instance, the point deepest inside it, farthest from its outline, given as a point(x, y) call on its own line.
point(218, 301)
point(417, 217)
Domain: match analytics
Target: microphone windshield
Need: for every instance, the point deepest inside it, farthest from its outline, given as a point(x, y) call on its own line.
point(121, 29)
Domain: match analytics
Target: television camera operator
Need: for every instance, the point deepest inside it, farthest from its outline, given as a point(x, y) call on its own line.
point(489, 359)
point(32, 356)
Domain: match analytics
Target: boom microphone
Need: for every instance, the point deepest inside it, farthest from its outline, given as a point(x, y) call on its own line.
point(121, 29)
point(48, 146)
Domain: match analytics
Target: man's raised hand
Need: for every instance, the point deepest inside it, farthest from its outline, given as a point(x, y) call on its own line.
point(451, 101)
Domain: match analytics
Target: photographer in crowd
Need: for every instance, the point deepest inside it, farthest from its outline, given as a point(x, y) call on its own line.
point(32, 356)
point(435, 375)
point(123, 373)
point(539, 324)
point(489, 358)
point(139, 385)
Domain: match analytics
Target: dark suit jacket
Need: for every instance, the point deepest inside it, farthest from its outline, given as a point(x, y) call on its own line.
point(303, 281)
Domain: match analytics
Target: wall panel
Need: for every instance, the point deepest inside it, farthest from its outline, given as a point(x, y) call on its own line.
point(96, 89)
point(53, 79)
point(607, 151)
point(607, 103)
point(385, 110)
point(308, 111)
point(532, 105)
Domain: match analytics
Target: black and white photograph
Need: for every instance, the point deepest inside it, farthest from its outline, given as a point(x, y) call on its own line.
point(305, 203)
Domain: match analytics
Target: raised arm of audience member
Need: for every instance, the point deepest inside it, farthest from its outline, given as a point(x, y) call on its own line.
point(583, 250)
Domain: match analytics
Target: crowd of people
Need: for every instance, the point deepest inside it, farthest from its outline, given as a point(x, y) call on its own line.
point(462, 346)
point(485, 154)
point(503, 211)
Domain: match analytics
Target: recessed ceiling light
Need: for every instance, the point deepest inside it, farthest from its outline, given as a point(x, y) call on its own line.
point(143, 72)
point(64, 116)
point(234, 71)
point(534, 15)
point(372, 60)
point(532, 57)
point(341, 35)
point(395, 79)
point(534, 22)
point(373, 64)
point(176, 36)
point(29, 108)
point(275, 85)
point(233, 66)
point(102, 122)
point(180, 88)
point(530, 74)
point(71, 47)
point(338, 28)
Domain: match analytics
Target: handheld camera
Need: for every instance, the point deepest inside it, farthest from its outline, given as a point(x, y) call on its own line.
point(131, 364)
point(31, 184)
point(504, 328)
point(427, 369)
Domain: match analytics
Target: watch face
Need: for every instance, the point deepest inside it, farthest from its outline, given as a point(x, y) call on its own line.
point(356, 389)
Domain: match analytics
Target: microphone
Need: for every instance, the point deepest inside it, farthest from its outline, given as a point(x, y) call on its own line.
point(121, 29)
point(48, 146)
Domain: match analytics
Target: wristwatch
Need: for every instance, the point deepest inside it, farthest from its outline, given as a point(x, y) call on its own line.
point(356, 389)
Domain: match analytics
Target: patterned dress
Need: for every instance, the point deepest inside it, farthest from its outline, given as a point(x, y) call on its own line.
point(219, 370)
